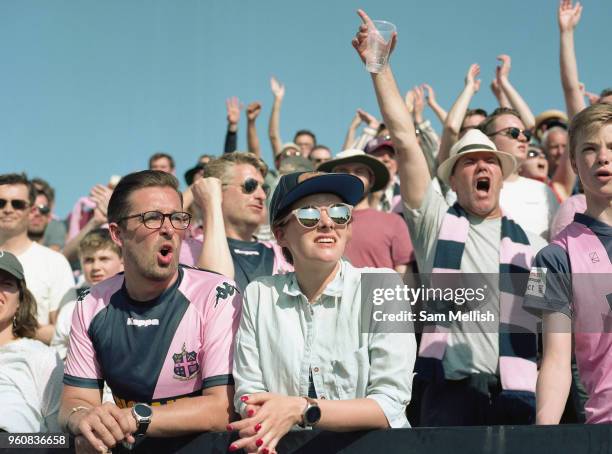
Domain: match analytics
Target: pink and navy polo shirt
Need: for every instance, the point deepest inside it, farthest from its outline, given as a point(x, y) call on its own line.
point(156, 351)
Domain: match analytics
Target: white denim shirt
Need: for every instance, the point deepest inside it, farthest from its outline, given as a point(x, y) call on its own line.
point(282, 338)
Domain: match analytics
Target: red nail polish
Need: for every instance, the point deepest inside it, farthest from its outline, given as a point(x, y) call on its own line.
point(259, 442)
point(250, 413)
point(233, 448)
point(257, 427)
point(244, 398)
point(229, 428)
point(265, 451)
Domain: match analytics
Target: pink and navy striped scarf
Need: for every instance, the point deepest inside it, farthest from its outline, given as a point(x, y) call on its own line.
point(517, 328)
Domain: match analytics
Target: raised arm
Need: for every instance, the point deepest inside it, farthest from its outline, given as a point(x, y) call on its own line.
point(278, 90)
point(412, 165)
point(369, 132)
point(555, 375)
point(569, 16)
point(502, 99)
point(502, 73)
point(430, 142)
point(215, 255)
point(454, 119)
point(233, 107)
point(351, 132)
point(433, 103)
point(253, 111)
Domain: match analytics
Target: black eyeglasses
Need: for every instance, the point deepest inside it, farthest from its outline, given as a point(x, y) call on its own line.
point(16, 203)
point(155, 219)
point(310, 216)
point(250, 185)
point(515, 133)
point(43, 209)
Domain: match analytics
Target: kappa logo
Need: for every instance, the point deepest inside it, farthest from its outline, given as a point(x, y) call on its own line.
point(224, 291)
point(185, 364)
point(594, 257)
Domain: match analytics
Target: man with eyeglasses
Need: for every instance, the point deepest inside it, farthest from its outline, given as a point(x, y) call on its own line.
point(159, 334)
point(232, 196)
point(47, 272)
point(529, 202)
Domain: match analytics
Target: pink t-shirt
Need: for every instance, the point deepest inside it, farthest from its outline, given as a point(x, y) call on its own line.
point(379, 240)
point(156, 351)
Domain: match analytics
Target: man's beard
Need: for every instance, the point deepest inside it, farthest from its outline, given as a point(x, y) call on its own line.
point(36, 236)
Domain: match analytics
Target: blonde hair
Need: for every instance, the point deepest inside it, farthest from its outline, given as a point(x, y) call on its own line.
point(219, 168)
point(588, 122)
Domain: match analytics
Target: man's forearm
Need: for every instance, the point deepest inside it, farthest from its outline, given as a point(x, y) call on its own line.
point(454, 120)
point(439, 111)
point(274, 127)
point(231, 139)
point(412, 167)
point(574, 101)
point(553, 386)
point(518, 103)
point(191, 415)
point(253, 139)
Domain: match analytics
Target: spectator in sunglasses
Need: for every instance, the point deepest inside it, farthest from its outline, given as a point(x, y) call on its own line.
point(325, 372)
point(319, 155)
point(55, 232)
point(529, 202)
point(232, 197)
point(39, 218)
point(536, 165)
point(48, 273)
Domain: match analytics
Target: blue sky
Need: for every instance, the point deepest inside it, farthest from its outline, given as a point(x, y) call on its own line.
point(91, 88)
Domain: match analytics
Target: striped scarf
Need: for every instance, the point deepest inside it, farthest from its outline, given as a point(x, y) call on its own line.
point(517, 338)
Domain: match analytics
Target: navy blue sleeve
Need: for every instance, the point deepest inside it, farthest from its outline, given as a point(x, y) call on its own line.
point(550, 285)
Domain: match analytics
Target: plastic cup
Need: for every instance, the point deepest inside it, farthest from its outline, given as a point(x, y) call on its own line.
point(379, 45)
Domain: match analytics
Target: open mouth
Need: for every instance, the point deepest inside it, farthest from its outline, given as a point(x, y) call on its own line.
point(603, 175)
point(483, 184)
point(325, 240)
point(541, 166)
point(164, 256)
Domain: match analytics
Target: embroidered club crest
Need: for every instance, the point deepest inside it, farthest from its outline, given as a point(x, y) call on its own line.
point(185, 364)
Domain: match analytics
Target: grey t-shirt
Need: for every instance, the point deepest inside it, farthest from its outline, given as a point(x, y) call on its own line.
point(474, 352)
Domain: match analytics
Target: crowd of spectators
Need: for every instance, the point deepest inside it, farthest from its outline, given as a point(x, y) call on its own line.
point(241, 302)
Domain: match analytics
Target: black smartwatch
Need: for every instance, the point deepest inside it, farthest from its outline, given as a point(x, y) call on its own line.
point(142, 414)
point(311, 414)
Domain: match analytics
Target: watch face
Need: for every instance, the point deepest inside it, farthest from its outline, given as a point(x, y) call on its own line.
point(144, 411)
point(313, 414)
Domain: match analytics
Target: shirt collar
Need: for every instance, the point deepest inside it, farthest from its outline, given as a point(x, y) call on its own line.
point(598, 227)
point(334, 288)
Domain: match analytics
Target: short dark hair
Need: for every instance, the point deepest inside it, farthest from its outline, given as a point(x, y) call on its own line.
point(485, 126)
point(118, 205)
point(160, 155)
point(97, 240)
point(305, 132)
point(42, 186)
point(19, 178)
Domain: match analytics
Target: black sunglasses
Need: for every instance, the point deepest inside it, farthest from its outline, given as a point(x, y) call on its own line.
point(16, 203)
point(515, 133)
point(155, 219)
point(43, 209)
point(310, 216)
point(250, 185)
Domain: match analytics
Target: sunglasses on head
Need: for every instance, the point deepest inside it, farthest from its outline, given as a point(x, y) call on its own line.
point(515, 133)
point(16, 203)
point(310, 216)
point(250, 185)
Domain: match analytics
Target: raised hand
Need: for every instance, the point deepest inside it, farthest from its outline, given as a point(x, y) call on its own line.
point(253, 110)
point(568, 15)
point(207, 192)
point(368, 119)
point(100, 194)
point(502, 71)
point(430, 94)
point(233, 110)
point(409, 99)
point(278, 89)
point(593, 98)
point(470, 77)
point(360, 41)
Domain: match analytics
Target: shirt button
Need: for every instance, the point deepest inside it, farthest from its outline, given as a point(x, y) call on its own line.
point(316, 369)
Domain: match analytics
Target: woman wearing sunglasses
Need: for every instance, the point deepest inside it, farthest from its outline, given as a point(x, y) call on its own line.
point(30, 372)
point(301, 358)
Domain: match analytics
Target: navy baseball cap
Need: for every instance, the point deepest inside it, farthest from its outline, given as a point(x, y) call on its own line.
point(10, 264)
point(295, 186)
